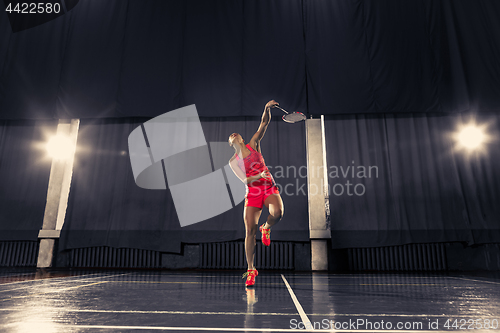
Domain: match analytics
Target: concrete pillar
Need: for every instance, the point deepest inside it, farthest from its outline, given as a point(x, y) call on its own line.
point(317, 186)
point(57, 196)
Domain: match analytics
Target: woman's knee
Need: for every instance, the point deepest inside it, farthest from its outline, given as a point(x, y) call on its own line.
point(251, 230)
point(277, 214)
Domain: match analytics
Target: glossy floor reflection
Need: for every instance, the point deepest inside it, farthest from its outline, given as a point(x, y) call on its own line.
point(217, 301)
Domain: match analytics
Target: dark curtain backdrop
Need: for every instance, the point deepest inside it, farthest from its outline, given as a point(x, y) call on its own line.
point(107, 208)
point(24, 177)
point(141, 58)
point(392, 77)
point(423, 188)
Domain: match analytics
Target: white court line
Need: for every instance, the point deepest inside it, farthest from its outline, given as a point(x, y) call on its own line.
point(15, 274)
point(64, 281)
point(227, 329)
point(51, 291)
point(59, 278)
point(368, 276)
point(191, 275)
point(462, 278)
point(59, 310)
point(302, 314)
point(13, 289)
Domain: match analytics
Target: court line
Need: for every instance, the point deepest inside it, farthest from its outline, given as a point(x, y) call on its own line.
point(227, 329)
point(370, 276)
point(76, 287)
point(51, 291)
point(271, 283)
point(59, 282)
point(59, 278)
point(58, 310)
point(200, 282)
point(295, 284)
point(370, 284)
point(333, 315)
point(302, 314)
point(52, 285)
point(15, 274)
point(467, 279)
point(210, 276)
point(23, 288)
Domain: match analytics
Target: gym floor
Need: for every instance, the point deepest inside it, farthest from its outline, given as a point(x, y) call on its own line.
point(217, 301)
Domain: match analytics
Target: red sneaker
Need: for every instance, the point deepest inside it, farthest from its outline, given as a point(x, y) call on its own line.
point(266, 235)
point(250, 275)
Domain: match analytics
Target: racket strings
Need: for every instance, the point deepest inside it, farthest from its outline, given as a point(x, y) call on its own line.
point(294, 117)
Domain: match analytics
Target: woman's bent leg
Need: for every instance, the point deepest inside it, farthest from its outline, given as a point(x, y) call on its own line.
point(276, 210)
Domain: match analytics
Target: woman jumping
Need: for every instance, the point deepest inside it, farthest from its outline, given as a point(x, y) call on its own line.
point(249, 165)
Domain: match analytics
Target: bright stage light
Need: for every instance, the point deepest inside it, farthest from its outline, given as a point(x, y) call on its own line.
point(471, 137)
point(60, 147)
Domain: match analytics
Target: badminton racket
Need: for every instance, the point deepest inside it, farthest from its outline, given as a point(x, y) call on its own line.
point(293, 117)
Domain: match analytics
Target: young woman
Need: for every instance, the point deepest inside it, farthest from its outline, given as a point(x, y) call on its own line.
point(248, 164)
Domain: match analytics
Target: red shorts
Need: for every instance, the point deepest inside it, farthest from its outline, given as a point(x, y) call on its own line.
point(258, 194)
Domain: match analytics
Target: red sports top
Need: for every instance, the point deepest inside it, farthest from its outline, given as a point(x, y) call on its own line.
point(254, 164)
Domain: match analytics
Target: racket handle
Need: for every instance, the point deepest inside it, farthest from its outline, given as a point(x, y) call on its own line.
point(276, 106)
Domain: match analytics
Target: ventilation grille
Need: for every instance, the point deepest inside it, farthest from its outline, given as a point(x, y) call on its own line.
point(15, 254)
point(231, 255)
point(104, 256)
point(411, 257)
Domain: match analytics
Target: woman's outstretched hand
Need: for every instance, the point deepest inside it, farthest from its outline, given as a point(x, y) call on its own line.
point(271, 104)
